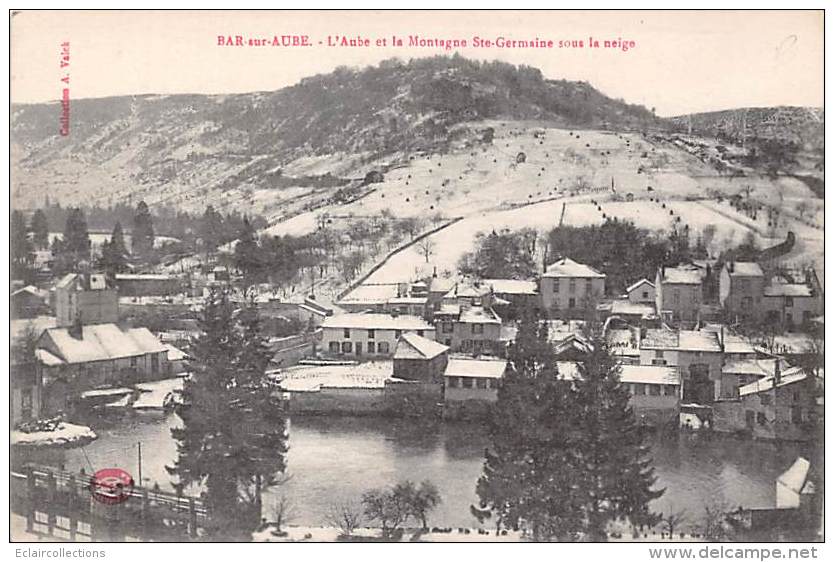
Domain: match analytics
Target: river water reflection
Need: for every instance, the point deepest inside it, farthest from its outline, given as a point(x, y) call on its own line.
point(337, 458)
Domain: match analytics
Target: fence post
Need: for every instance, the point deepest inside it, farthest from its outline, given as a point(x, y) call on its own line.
point(71, 503)
point(31, 487)
point(50, 502)
point(192, 517)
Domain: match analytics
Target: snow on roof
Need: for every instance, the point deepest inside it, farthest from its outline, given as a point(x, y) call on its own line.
point(47, 358)
point(467, 291)
point(442, 284)
point(794, 478)
point(174, 353)
point(143, 277)
point(623, 342)
point(412, 346)
point(693, 340)
point(659, 339)
point(788, 290)
point(790, 376)
point(448, 309)
point(566, 267)
point(311, 378)
point(66, 281)
point(478, 315)
point(371, 294)
point(480, 367)
point(100, 342)
point(734, 343)
point(757, 367)
point(682, 275)
point(38, 324)
point(64, 434)
point(631, 308)
point(31, 290)
point(637, 284)
point(649, 374)
point(373, 321)
point(408, 300)
point(568, 370)
point(512, 286)
point(744, 269)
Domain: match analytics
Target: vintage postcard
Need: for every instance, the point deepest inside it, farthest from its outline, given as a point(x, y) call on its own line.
point(428, 276)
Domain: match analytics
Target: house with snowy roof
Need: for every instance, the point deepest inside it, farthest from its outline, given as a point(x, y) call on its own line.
point(740, 289)
point(679, 293)
point(781, 406)
point(697, 356)
point(470, 385)
point(641, 292)
point(88, 297)
point(789, 301)
point(369, 335)
point(568, 287)
point(419, 358)
point(81, 358)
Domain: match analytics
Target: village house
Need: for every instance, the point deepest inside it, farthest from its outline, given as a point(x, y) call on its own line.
point(633, 313)
point(28, 302)
point(370, 297)
point(641, 292)
point(25, 389)
point(438, 288)
point(468, 329)
point(514, 293)
point(654, 389)
point(81, 358)
point(568, 288)
point(470, 385)
point(697, 355)
point(624, 344)
point(421, 359)
point(781, 406)
point(790, 304)
point(147, 284)
point(741, 372)
point(369, 335)
point(88, 297)
point(678, 295)
point(740, 290)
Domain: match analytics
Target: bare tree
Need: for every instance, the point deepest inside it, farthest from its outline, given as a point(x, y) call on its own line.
point(714, 525)
point(346, 516)
point(283, 511)
point(672, 520)
point(426, 247)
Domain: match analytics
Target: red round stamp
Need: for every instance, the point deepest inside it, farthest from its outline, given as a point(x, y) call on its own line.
point(111, 485)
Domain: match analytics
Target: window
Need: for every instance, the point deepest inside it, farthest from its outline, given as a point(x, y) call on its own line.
point(789, 301)
point(654, 389)
point(761, 418)
point(572, 286)
point(347, 333)
point(448, 342)
point(26, 403)
point(676, 296)
point(155, 363)
point(555, 285)
point(398, 333)
point(477, 328)
point(334, 347)
point(766, 399)
point(447, 327)
point(658, 353)
point(671, 390)
point(383, 347)
point(420, 333)
point(371, 334)
point(571, 303)
point(347, 347)
point(468, 382)
point(588, 285)
point(645, 294)
point(481, 383)
point(796, 414)
point(747, 303)
point(371, 347)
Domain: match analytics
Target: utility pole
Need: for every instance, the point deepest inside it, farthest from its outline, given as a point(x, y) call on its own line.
point(139, 445)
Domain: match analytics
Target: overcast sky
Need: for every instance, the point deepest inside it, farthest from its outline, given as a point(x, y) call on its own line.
point(683, 62)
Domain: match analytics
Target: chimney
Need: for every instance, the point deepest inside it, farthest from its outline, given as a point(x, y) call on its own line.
point(731, 266)
point(76, 331)
point(434, 272)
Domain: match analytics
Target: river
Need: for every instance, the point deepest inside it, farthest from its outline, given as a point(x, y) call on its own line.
point(332, 459)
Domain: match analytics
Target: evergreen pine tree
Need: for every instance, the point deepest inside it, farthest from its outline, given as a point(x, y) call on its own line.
point(113, 258)
point(228, 443)
point(142, 237)
point(248, 256)
point(74, 249)
point(618, 475)
point(40, 230)
point(566, 456)
point(21, 248)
